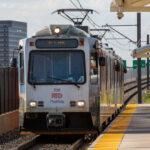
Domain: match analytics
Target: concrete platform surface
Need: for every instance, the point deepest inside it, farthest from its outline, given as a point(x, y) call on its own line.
point(137, 135)
point(129, 131)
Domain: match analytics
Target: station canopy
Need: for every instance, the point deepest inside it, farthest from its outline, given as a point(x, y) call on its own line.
point(130, 6)
point(143, 51)
point(121, 6)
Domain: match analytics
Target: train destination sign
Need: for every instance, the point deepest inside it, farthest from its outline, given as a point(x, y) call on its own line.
point(56, 43)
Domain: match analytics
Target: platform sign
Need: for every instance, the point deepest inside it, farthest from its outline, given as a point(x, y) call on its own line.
point(143, 63)
point(135, 64)
point(125, 63)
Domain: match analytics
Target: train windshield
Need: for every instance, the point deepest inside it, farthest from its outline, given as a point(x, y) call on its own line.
point(57, 67)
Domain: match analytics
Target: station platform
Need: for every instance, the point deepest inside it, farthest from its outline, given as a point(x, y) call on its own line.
point(129, 131)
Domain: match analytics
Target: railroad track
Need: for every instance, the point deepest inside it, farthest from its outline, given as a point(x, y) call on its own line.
point(53, 143)
point(78, 143)
point(130, 89)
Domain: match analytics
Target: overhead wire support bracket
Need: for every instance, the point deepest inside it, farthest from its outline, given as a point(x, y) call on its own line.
point(77, 21)
point(120, 34)
point(101, 29)
point(121, 25)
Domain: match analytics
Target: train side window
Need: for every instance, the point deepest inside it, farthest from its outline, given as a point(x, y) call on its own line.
point(21, 67)
point(93, 69)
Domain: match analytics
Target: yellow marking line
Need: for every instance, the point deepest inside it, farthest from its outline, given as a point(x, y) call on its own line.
point(112, 138)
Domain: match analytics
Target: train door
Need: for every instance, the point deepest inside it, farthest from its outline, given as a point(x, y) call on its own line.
point(109, 92)
point(107, 88)
point(94, 87)
point(112, 103)
point(103, 90)
point(121, 82)
point(117, 80)
point(115, 83)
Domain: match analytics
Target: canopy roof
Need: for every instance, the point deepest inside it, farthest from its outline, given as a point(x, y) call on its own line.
point(121, 6)
point(143, 51)
point(130, 6)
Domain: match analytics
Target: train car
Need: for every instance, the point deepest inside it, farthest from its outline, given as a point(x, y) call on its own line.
point(68, 82)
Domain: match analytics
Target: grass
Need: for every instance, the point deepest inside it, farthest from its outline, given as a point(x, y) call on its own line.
point(146, 97)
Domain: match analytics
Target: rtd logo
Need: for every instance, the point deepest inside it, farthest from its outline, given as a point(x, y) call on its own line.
point(56, 95)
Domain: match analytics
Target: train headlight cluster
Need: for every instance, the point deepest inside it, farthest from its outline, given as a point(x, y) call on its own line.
point(32, 104)
point(57, 30)
point(80, 103)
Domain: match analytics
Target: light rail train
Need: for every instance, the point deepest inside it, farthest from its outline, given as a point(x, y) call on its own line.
point(68, 81)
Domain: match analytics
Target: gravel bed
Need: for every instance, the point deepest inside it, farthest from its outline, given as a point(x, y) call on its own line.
point(51, 147)
point(12, 139)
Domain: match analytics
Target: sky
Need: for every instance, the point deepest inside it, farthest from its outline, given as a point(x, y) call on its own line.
point(38, 14)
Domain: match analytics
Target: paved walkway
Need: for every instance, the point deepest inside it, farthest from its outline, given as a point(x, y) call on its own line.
point(129, 131)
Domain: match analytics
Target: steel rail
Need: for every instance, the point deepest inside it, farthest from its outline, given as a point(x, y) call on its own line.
point(133, 87)
point(78, 144)
point(132, 95)
point(144, 85)
point(27, 144)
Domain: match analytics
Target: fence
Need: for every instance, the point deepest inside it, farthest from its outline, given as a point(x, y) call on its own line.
point(9, 96)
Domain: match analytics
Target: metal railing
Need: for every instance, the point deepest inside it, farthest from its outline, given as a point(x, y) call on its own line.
point(9, 96)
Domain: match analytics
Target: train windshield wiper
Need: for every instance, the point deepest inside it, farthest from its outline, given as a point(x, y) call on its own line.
point(73, 83)
point(33, 84)
point(67, 81)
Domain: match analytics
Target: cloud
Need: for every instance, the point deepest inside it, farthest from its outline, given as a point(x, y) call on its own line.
point(37, 13)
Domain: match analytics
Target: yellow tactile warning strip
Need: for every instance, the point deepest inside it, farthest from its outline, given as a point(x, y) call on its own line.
point(111, 139)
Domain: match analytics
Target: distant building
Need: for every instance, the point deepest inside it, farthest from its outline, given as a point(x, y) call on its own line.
point(10, 34)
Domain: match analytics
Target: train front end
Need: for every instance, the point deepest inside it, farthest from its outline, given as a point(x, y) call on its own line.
point(55, 87)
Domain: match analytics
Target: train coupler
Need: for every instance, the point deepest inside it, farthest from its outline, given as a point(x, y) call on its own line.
point(55, 120)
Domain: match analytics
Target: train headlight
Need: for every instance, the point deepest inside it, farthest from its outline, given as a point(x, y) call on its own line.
point(57, 30)
point(81, 103)
point(32, 104)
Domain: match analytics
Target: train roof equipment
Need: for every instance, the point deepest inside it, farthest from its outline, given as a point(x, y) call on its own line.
point(77, 21)
point(61, 30)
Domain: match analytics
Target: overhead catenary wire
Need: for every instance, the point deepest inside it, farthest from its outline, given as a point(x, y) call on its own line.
point(121, 34)
point(89, 20)
point(65, 17)
point(79, 3)
point(94, 24)
point(88, 17)
point(73, 4)
point(114, 45)
point(117, 41)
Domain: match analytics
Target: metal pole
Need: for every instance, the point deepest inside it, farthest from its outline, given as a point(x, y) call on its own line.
point(148, 65)
point(139, 59)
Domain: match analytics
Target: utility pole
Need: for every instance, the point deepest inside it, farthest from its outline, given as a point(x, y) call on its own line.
point(147, 65)
point(139, 59)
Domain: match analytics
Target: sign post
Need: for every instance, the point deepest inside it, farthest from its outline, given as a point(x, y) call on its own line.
point(139, 59)
point(148, 65)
